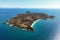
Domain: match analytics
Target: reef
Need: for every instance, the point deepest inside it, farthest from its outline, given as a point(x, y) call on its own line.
point(25, 20)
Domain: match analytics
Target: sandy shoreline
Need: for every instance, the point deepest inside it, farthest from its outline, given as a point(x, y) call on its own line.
point(35, 22)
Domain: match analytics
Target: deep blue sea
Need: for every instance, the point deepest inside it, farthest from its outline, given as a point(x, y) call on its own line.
point(43, 29)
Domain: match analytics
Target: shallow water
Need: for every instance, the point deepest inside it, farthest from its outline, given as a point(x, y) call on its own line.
point(43, 29)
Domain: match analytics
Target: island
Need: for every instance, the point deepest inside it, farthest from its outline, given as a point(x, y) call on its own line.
point(25, 20)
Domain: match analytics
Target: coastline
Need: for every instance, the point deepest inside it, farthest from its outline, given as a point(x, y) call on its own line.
point(35, 22)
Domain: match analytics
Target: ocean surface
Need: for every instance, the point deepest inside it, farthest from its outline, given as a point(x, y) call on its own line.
point(43, 29)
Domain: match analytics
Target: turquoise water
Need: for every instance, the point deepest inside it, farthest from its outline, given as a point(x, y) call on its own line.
point(43, 29)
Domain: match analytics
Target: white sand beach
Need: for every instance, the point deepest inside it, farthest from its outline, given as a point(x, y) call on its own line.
point(35, 22)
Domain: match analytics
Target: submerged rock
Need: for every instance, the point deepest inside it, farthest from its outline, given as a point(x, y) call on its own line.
point(25, 20)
